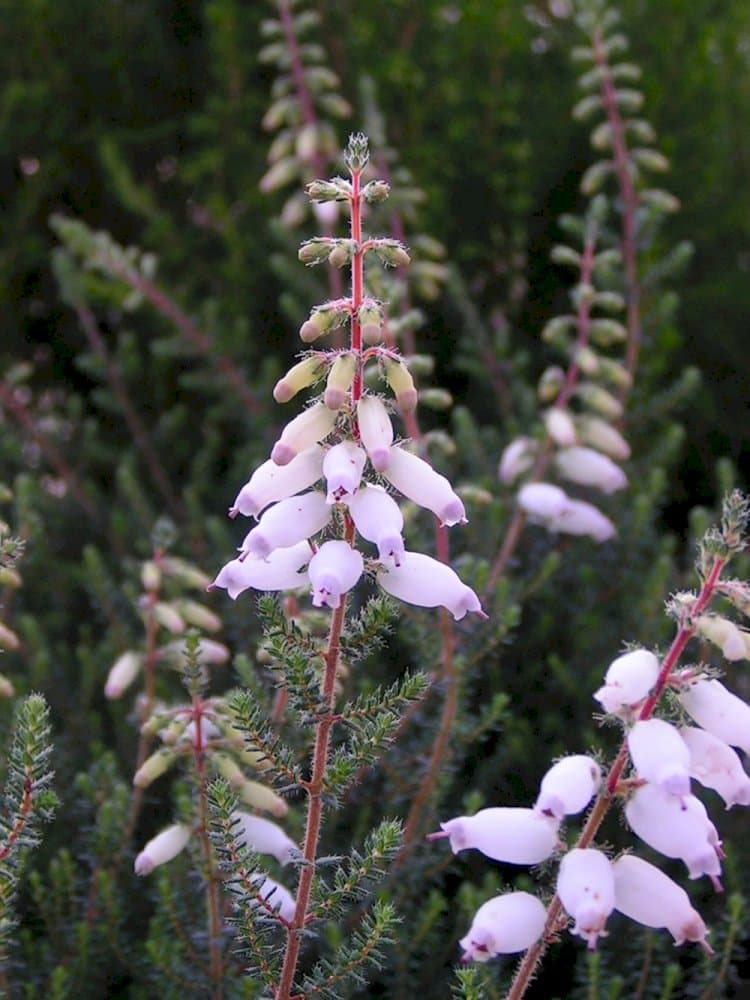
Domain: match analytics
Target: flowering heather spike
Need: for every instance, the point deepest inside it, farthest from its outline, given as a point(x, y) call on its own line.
point(628, 681)
point(419, 482)
point(123, 673)
point(424, 581)
point(504, 925)
point(517, 458)
point(645, 894)
point(308, 428)
point(516, 836)
point(375, 431)
point(586, 887)
point(162, 848)
point(280, 571)
point(719, 711)
point(286, 523)
point(343, 466)
point(378, 518)
point(715, 765)
point(333, 570)
point(542, 502)
point(677, 829)
point(568, 786)
point(660, 756)
point(265, 837)
point(582, 518)
point(590, 468)
point(271, 482)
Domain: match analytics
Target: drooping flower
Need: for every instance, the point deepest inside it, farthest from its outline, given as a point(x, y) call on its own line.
point(568, 786)
point(628, 680)
point(276, 897)
point(162, 848)
point(586, 887)
point(717, 766)
point(730, 639)
point(333, 570)
point(378, 518)
point(590, 468)
point(603, 437)
point(517, 458)
point(280, 571)
point(542, 502)
point(419, 482)
point(265, 837)
point(286, 523)
point(376, 431)
point(422, 580)
point(559, 425)
point(582, 518)
point(504, 925)
point(645, 894)
point(661, 756)
point(271, 482)
point(719, 711)
point(503, 833)
point(343, 466)
point(122, 674)
point(306, 429)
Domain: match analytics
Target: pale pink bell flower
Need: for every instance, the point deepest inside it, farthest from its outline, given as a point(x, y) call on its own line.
point(716, 765)
point(586, 887)
point(308, 428)
point(333, 570)
point(343, 466)
point(378, 518)
point(517, 458)
point(286, 523)
point(582, 518)
point(265, 837)
point(568, 786)
point(514, 835)
point(628, 680)
point(375, 431)
point(719, 711)
point(271, 482)
point(419, 482)
point(542, 502)
point(660, 756)
point(504, 925)
point(590, 468)
point(422, 580)
point(162, 848)
point(280, 571)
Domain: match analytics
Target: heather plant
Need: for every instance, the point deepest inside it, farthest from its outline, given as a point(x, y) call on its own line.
point(259, 783)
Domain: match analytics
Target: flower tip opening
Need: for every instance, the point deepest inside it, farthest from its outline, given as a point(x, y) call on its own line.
point(144, 865)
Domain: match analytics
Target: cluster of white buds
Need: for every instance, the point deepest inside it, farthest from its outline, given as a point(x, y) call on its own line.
point(345, 442)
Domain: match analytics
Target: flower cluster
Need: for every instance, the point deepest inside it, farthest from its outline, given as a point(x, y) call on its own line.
point(334, 465)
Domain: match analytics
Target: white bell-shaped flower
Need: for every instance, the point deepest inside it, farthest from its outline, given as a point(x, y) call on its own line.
point(504, 833)
point(730, 639)
point(517, 458)
point(122, 674)
point(422, 580)
point(590, 468)
point(333, 570)
point(677, 829)
point(308, 428)
point(271, 482)
point(603, 437)
point(586, 887)
point(628, 681)
point(162, 848)
point(375, 431)
point(719, 711)
point(378, 518)
point(286, 523)
point(504, 925)
point(281, 571)
point(343, 467)
point(568, 786)
point(645, 894)
point(265, 837)
point(660, 756)
point(582, 518)
point(419, 482)
point(542, 502)
point(717, 766)
point(277, 898)
point(559, 425)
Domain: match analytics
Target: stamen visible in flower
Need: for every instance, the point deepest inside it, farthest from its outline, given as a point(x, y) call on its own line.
point(343, 466)
point(333, 570)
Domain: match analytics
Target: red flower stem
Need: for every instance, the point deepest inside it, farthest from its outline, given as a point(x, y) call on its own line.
point(556, 919)
point(629, 206)
point(357, 285)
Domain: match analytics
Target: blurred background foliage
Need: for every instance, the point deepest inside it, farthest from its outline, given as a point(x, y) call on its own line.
point(145, 120)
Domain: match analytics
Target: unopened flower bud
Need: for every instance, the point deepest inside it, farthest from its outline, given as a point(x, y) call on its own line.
point(265, 837)
point(122, 674)
point(150, 575)
point(677, 828)
point(402, 385)
point(277, 898)
point(10, 577)
point(333, 570)
point(375, 191)
point(279, 571)
point(299, 376)
point(586, 887)
point(418, 579)
point(271, 482)
point(715, 765)
point(343, 466)
point(336, 189)
point(582, 518)
point(197, 614)
point(601, 401)
point(738, 593)
point(504, 925)
point(516, 836)
point(542, 502)
point(375, 431)
point(153, 767)
point(568, 786)
point(168, 617)
point(377, 517)
point(286, 523)
point(730, 639)
point(420, 483)
point(315, 251)
point(604, 437)
point(252, 793)
point(6, 687)
point(660, 756)
point(517, 458)
point(162, 848)
point(559, 425)
point(719, 711)
point(370, 317)
point(339, 380)
point(8, 638)
point(323, 319)
point(391, 253)
point(590, 468)
point(279, 175)
point(342, 252)
point(628, 680)
point(309, 427)
point(645, 894)
point(550, 384)
point(185, 572)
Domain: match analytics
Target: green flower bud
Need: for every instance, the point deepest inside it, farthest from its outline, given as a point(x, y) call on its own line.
point(342, 252)
point(336, 189)
point(402, 385)
point(150, 576)
point(168, 618)
point(599, 400)
point(315, 251)
point(185, 572)
point(153, 767)
point(370, 316)
point(375, 192)
point(322, 320)
point(299, 376)
point(391, 252)
point(9, 577)
point(199, 615)
point(436, 399)
point(550, 384)
point(339, 380)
